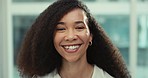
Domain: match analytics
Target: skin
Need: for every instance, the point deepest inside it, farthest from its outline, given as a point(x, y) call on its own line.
point(71, 40)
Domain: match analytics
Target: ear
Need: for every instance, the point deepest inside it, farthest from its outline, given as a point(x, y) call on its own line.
point(91, 37)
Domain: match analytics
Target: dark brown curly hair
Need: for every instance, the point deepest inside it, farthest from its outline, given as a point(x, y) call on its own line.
point(38, 55)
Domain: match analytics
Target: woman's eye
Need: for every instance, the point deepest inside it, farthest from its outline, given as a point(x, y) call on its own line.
point(80, 27)
point(60, 29)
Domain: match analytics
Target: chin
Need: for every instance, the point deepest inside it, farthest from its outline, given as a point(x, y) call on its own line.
point(71, 60)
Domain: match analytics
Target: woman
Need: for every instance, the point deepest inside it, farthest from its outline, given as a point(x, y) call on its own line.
point(66, 42)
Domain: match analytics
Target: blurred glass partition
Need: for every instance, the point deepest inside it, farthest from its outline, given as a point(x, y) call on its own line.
point(41, 0)
point(115, 0)
point(142, 66)
point(143, 0)
point(117, 27)
point(32, 0)
point(81, 0)
point(21, 23)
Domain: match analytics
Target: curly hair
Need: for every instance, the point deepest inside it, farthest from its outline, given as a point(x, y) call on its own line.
point(38, 55)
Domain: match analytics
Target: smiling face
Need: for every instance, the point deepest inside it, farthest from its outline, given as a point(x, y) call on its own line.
point(72, 36)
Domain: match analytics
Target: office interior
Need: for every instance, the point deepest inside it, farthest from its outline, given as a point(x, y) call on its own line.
point(125, 22)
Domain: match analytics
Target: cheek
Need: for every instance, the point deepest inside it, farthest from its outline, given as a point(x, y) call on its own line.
point(86, 34)
point(85, 37)
point(57, 39)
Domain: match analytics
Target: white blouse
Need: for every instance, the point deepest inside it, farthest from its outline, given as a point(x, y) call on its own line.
point(97, 73)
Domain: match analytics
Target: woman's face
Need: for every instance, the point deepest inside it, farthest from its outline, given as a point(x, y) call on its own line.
point(72, 36)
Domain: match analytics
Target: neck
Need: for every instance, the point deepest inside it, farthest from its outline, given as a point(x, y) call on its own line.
point(80, 69)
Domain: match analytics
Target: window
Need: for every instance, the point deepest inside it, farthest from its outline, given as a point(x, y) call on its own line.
point(142, 64)
point(117, 27)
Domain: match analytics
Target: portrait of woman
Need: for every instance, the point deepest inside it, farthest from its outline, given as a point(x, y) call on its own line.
point(65, 41)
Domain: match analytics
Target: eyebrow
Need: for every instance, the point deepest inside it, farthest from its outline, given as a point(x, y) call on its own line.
point(61, 23)
point(77, 22)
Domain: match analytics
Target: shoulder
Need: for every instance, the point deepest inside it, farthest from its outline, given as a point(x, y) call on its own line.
point(98, 72)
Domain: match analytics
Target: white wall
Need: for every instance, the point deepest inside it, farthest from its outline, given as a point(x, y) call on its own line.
point(6, 65)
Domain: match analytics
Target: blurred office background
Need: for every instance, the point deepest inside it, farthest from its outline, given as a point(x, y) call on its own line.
point(125, 21)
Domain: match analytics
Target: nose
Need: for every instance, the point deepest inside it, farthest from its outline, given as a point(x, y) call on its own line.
point(71, 36)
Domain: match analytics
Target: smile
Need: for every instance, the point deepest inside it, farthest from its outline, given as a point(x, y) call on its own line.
point(71, 48)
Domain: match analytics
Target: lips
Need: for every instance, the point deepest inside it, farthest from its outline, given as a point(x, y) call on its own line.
point(71, 48)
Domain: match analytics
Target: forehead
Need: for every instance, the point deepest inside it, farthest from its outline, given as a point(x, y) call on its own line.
point(75, 14)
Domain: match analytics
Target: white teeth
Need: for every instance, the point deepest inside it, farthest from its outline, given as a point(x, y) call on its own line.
point(71, 47)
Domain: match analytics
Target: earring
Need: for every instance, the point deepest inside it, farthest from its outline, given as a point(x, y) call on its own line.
point(34, 76)
point(90, 43)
